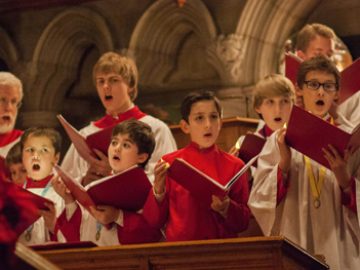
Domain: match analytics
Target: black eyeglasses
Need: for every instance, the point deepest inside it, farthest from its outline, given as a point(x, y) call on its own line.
point(327, 86)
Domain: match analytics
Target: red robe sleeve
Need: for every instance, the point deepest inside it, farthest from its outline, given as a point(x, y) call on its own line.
point(70, 228)
point(154, 212)
point(136, 230)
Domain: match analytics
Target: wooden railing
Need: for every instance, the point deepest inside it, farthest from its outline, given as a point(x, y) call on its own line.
point(224, 254)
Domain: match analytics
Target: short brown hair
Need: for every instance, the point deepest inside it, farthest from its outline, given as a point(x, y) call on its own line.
point(14, 156)
point(309, 32)
point(121, 65)
point(195, 97)
point(318, 63)
point(271, 86)
point(50, 133)
point(140, 133)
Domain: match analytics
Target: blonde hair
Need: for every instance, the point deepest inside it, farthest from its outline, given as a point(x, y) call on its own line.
point(309, 32)
point(271, 86)
point(121, 65)
point(9, 79)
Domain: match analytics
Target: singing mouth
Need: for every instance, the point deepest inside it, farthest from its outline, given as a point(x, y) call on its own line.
point(277, 119)
point(320, 103)
point(36, 167)
point(6, 118)
point(108, 97)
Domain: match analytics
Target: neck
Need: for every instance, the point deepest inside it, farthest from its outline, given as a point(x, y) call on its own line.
point(115, 113)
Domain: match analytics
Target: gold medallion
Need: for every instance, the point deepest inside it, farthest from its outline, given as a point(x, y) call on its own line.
point(97, 236)
point(28, 235)
point(317, 203)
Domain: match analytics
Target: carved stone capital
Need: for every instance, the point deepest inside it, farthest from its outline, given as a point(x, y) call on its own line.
point(226, 55)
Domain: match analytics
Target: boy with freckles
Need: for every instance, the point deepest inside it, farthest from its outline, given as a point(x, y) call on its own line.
point(131, 145)
point(172, 206)
point(40, 151)
point(298, 198)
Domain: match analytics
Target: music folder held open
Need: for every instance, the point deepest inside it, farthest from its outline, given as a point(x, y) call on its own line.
point(199, 184)
point(309, 134)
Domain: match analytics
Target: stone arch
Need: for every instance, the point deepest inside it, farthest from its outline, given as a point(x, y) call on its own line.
point(264, 27)
point(8, 51)
point(162, 31)
point(58, 53)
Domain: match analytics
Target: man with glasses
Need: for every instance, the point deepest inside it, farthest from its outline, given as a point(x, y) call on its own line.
point(11, 94)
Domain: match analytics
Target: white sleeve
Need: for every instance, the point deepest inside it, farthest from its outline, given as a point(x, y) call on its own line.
point(165, 143)
point(262, 200)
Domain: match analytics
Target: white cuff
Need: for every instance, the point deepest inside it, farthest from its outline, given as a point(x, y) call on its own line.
point(120, 220)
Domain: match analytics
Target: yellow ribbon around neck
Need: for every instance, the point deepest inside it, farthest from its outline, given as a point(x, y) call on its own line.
point(315, 183)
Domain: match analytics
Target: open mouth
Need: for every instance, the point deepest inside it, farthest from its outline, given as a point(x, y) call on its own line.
point(108, 97)
point(116, 158)
point(6, 118)
point(36, 167)
point(207, 135)
point(277, 119)
point(320, 103)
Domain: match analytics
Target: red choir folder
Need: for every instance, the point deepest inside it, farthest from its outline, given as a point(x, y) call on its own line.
point(350, 81)
point(250, 147)
point(292, 64)
point(39, 201)
point(84, 145)
point(308, 134)
point(127, 190)
point(349, 77)
point(198, 183)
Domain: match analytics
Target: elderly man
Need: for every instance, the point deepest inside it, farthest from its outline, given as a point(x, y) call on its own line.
point(11, 94)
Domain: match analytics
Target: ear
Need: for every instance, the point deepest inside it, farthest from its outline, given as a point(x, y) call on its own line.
point(336, 97)
point(184, 126)
point(257, 109)
point(57, 158)
point(142, 157)
point(301, 54)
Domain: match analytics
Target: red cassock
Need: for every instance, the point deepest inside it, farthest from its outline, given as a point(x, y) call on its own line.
point(184, 217)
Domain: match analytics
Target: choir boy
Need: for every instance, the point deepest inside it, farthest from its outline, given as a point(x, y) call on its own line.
point(116, 81)
point(298, 198)
point(40, 151)
point(171, 206)
point(132, 144)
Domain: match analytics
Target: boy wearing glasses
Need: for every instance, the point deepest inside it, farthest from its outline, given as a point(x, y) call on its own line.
point(324, 225)
point(116, 80)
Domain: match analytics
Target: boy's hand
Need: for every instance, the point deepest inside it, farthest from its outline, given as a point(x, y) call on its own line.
point(62, 190)
point(160, 176)
point(220, 206)
point(105, 214)
point(285, 153)
point(338, 165)
point(98, 168)
point(49, 217)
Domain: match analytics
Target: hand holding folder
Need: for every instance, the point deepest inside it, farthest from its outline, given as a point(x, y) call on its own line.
point(199, 184)
point(127, 190)
point(309, 134)
point(84, 145)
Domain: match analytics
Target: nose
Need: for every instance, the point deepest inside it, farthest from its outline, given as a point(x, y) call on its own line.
point(321, 90)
